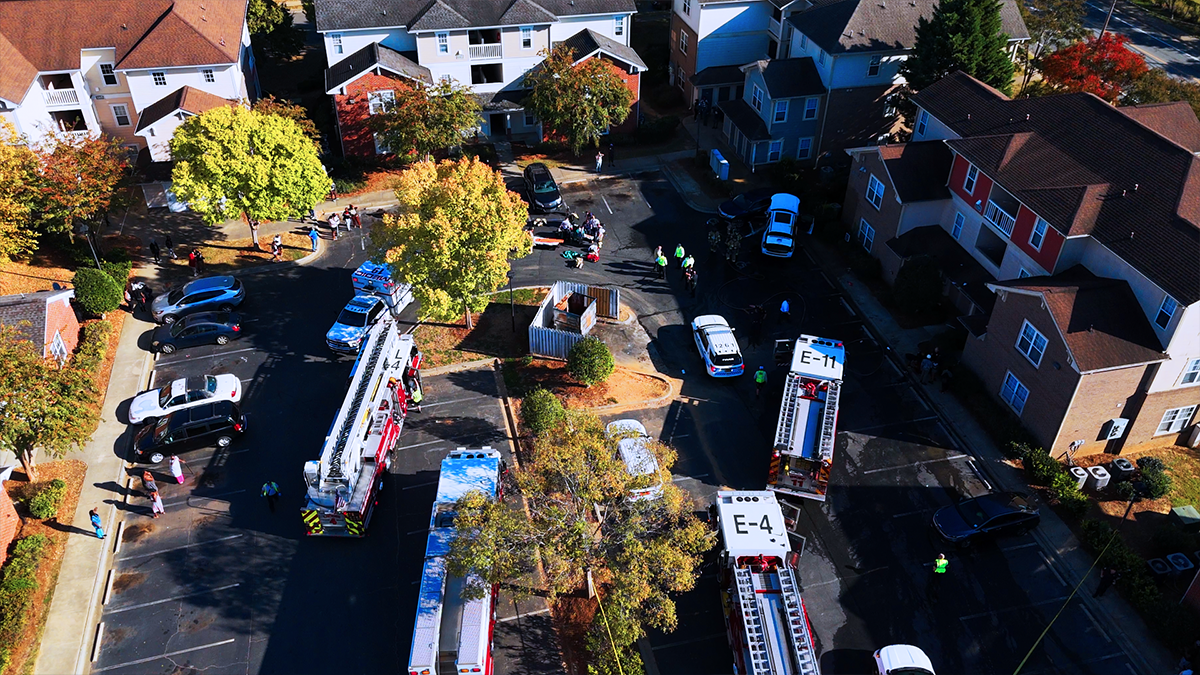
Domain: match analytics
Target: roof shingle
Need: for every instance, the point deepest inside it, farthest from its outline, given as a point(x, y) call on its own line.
point(188, 99)
point(371, 56)
point(789, 78)
point(918, 170)
point(1177, 121)
point(425, 15)
point(745, 119)
point(875, 25)
point(587, 42)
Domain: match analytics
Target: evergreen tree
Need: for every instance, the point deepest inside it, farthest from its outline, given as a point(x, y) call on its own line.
point(962, 35)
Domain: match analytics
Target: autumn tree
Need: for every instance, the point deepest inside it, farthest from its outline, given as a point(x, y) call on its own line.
point(423, 118)
point(1156, 86)
point(231, 161)
point(18, 187)
point(269, 105)
point(962, 35)
point(457, 229)
point(578, 101)
point(1102, 66)
point(79, 179)
point(272, 28)
point(1051, 24)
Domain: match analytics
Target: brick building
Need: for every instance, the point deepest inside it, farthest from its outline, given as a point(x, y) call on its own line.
point(10, 523)
point(46, 318)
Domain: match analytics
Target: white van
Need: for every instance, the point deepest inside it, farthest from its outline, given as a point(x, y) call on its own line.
point(779, 239)
point(639, 460)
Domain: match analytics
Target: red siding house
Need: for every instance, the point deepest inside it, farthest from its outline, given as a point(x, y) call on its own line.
point(46, 318)
point(10, 523)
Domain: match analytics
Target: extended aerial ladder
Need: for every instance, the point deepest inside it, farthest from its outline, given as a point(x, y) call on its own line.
point(805, 435)
point(343, 484)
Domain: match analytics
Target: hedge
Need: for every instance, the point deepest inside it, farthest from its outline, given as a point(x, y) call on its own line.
point(16, 590)
point(590, 361)
point(45, 502)
point(93, 344)
point(96, 291)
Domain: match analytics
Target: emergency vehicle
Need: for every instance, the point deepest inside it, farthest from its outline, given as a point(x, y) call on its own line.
point(344, 483)
point(453, 635)
point(376, 279)
point(765, 617)
point(804, 436)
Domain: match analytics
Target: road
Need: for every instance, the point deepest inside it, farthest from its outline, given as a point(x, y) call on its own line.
point(1163, 45)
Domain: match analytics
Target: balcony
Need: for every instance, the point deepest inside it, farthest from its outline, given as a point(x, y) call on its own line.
point(1000, 218)
point(59, 97)
point(773, 26)
point(487, 51)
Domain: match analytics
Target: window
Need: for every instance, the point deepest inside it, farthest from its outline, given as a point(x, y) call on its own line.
point(756, 98)
point(1031, 343)
point(781, 108)
point(922, 123)
point(1175, 420)
point(810, 108)
point(687, 7)
point(160, 79)
point(1165, 312)
point(446, 79)
point(775, 151)
point(58, 348)
point(529, 119)
point(803, 42)
point(1038, 235)
point(866, 235)
point(110, 77)
point(1014, 393)
point(959, 219)
point(526, 38)
point(335, 39)
point(969, 183)
point(618, 26)
point(683, 42)
point(121, 115)
point(208, 75)
point(381, 148)
point(1191, 372)
point(873, 68)
point(1023, 273)
point(377, 101)
point(821, 57)
point(804, 149)
point(875, 190)
point(443, 43)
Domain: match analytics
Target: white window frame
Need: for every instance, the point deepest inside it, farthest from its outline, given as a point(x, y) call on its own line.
point(1035, 343)
point(111, 73)
point(875, 190)
point(683, 42)
point(376, 100)
point(1191, 372)
point(687, 7)
point(922, 123)
point(804, 148)
point(1023, 273)
point(756, 98)
point(618, 26)
point(526, 37)
point(117, 116)
point(157, 76)
point(972, 179)
point(380, 148)
point(874, 66)
point(959, 221)
point(803, 42)
point(776, 118)
point(1175, 419)
point(335, 39)
point(774, 155)
point(812, 107)
point(1011, 396)
point(443, 42)
point(1037, 236)
point(1167, 309)
point(821, 57)
point(866, 234)
point(58, 348)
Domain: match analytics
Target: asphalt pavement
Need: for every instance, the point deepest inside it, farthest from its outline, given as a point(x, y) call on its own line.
point(1162, 44)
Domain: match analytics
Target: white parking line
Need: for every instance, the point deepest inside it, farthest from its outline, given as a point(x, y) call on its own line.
point(514, 618)
point(177, 548)
point(162, 656)
point(197, 460)
point(910, 513)
point(1053, 571)
point(1011, 609)
point(177, 597)
point(606, 204)
point(928, 461)
point(419, 485)
point(418, 445)
point(210, 356)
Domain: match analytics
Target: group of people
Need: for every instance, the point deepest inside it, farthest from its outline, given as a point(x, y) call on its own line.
point(685, 262)
point(349, 218)
point(151, 489)
point(157, 252)
point(196, 261)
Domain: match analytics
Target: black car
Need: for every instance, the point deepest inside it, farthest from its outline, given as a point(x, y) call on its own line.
point(197, 329)
point(543, 191)
point(751, 204)
point(987, 516)
point(206, 425)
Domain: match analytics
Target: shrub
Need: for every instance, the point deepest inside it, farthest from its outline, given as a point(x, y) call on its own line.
point(16, 587)
point(1064, 489)
point(45, 502)
point(621, 631)
point(541, 411)
point(117, 264)
point(93, 343)
point(590, 361)
point(1018, 450)
point(1170, 539)
point(96, 291)
point(1042, 467)
point(1127, 490)
point(1156, 483)
point(1150, 464)
point(918, 287)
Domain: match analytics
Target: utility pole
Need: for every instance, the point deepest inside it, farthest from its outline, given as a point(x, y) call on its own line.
point(1107, 18)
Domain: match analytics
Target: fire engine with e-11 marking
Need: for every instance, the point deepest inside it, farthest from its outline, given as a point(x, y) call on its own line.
point(802, 456)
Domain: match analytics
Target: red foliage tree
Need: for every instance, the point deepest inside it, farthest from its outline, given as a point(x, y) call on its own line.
point(1104, 67)
point(80, 178)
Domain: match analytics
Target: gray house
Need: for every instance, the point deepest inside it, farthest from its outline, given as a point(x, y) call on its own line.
point(779, 113)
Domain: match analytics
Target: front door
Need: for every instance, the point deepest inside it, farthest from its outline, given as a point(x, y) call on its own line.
point(498, 123)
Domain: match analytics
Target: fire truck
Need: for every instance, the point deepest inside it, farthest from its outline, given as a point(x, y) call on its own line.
point(454, 635)
point(765, 617)
point(804, 436)
point(344, 483)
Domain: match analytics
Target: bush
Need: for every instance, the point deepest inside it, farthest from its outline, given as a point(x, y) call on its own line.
point(918, 287)
point(541, 411)
point(1042, 467)
point(1127, 490)
point(45, 501)
point(96, 291)
point(1170, 539)
point(16, 587)
point(1064, 489)
point(1156, 484)
point(622, 631)
point(590, 361)
point(1018, 450)
point(93, 343)
point(1150, 464)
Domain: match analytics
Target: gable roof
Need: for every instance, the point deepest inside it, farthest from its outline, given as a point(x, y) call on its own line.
point(374, 55)
point(718, 75)
point(49, 35)
point(789, 78)
point(17, 309)
point(918, 170)
point(1177, 121)
point(875, 25)
point(1088, 169)
point(187, 99)
point(425, 15)
point(1100, 319)
point(587, 42)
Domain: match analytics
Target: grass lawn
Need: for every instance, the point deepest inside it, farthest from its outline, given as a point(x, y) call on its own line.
point(493, 336)
point(235, 254)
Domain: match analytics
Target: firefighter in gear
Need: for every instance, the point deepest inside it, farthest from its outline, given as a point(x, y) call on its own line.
point(760, 378)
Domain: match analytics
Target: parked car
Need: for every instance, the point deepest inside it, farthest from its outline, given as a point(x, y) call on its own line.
point(197, 329)
point(207, 294)
point(746, 205)
point(640, 462)
point(352, 324)
point(543, 191)
point(779, 239)
point(186, 392)
point(718, 347)
point(903, 660)
point(202, 426)
point(991, 515)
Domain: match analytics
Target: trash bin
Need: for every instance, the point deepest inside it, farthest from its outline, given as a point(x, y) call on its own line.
point(1098, 478)
point(1121, 469)
point(1080, 475)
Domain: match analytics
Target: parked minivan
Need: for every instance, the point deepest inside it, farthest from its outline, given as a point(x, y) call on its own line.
point(640, 462)
point(779, 239)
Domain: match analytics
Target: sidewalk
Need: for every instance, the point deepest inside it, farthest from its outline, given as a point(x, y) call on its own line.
point(1070, 559)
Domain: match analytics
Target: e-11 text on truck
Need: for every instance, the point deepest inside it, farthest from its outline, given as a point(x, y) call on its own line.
point(804, 436)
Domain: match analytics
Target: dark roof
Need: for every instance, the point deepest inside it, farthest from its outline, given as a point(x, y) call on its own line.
point(418, 15)
point(184, 98)
point(918, 170)
point(587, 42)
point(1088, 169)
point(369, 57)
point(789, 78)
point(30, 307)
point(500, 101)
point(959, 266)
point(1177, 121)
point(745, 119)
point(1100, 318)
point(718, 75)
point(875, 25)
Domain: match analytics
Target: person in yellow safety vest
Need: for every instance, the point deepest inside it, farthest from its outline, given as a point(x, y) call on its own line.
point(660, 264)
point(688, 262)
point(679, 254)
point(760, 378)
point(940, 565)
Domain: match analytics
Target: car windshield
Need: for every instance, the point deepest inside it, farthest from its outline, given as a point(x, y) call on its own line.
point(175, 296)
point(349, 318)
point(160, 429)
point(544, 185)
point(971, 513)
point(164, 395)
point(782, 218)
point(210, 384)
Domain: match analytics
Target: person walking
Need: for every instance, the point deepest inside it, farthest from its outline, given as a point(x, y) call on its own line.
point(657, 252)
point(170, 247)
point(277, 248)
point(334, 222)
point(688, 263)
point(679, 254)
point(599, 161)
point(760, 378)
point(785, 311)
point(95, 517)
point(156, 505)
point(314, 236)
point(1108, 576)
point(354, 217)
point(927, 369)
point(177, 469)
point(690, 280)
point(940, 564)
point(155, 251)
point(660, 264)
point(148, 483)
point(254, 233)
point(270, 490)
point(193, 263)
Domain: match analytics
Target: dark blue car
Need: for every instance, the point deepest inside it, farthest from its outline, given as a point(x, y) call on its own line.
point(207, 328)
point(993, 515)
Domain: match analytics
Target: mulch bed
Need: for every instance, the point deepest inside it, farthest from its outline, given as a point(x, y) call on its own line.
point(624, 386)
point(573, 616)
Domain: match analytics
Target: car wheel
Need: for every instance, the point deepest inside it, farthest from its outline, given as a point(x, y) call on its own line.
point(150, 421)
point(167, 348)
point(222, 339)
point(170, 319)
point(226, 307)
point(156, 457)
point(224, 441)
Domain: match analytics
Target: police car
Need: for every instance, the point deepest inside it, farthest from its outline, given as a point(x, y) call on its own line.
point(376, 278)
point(186, 392)
point(357, 317)
point(719, 349)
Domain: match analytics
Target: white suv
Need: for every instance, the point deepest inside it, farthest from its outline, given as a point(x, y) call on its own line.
point(640, 462)
point(903, 660)
point(719, 349)
point(779, 239)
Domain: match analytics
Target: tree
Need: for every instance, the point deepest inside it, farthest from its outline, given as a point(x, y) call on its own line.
point(1051, 24)
point(458, 227)
point(231, 161)
point(18, 185)
point(78, 180)
point(1156, 86)
point(96, 291)
point(541, 411)
point(1103, 66)
point(590, 361)
point(962, 35)
point(578, 101)
point(269, 105)
point(42, 405)
point(423, 118)
point(272, 28)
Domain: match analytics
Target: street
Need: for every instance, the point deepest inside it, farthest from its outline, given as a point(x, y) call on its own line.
point(1163, 45)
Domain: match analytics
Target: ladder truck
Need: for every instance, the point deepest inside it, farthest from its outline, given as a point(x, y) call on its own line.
point(804, 436)
point(765, 617)
point(343, 485)
point(453, 635)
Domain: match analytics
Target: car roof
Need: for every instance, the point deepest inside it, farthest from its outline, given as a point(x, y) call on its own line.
point(757, 194)
point(707, 320)
point(536, 167)
point(785, 202)
point(363, 303)
point(1000, 503)
point(722, 341)
point(637, 457)
point(208, 283)
point(222, 318)
point(625, 426)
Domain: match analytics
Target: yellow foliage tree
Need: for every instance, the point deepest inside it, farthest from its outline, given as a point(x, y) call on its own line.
point(18, 178)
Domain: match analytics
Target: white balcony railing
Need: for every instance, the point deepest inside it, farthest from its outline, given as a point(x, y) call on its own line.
point(493, 50)
point(773, 26)
point(1000, 218)
point(61, 97)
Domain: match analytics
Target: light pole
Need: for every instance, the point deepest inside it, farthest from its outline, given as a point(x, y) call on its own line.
point(512, 308)
point(1107, 18)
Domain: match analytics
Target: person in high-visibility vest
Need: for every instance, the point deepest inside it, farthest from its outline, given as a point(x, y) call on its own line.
point(940, 565)
point(679, 254)
point(760, 378)
point(270, 490)
point(660, 264)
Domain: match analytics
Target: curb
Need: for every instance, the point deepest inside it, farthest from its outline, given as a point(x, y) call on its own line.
point(655, 402)
point(267, 267)
point(459, 367)
point(683, 194)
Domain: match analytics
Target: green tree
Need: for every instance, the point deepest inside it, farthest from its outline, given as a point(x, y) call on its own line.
point(962, 35)
point(457, 229)
point(18, 188)
point(581, 101)
point(1156, 86)
point(424, 118)
point(1051, 24)
point(541, 411)
point(590, 361)
point(269, 105)
point(43, 406)
point(96, 291)
point(272, 28)
point(231, 161)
